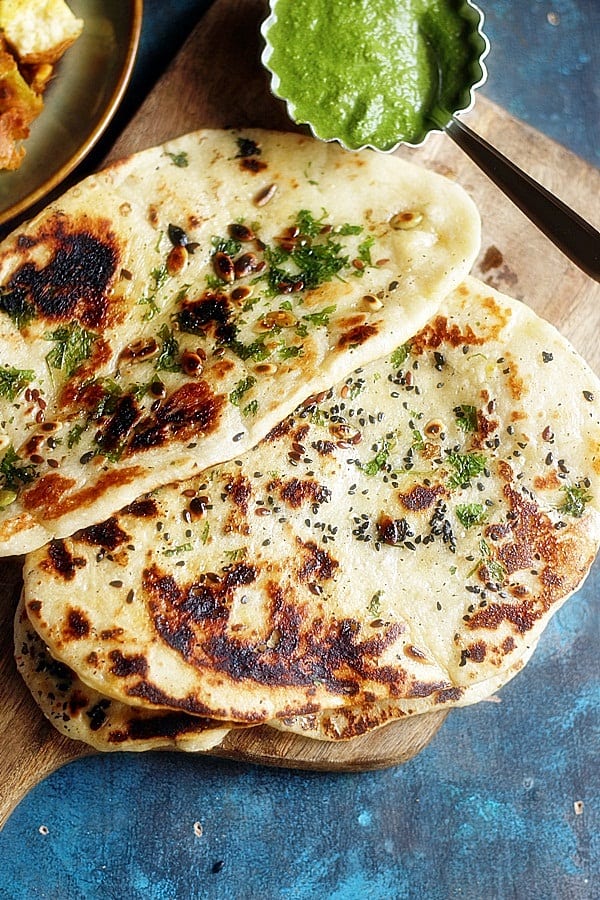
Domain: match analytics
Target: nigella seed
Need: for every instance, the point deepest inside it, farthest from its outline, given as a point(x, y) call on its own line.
point(588, 396)
point(116, 583)
point(177, 236)
point(86, 457)
point(439, 360)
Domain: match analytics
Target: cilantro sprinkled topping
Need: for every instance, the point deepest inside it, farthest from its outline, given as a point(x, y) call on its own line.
point(308, 225)
point(290, 351)
point(399, 356)
point(494, 570)
point(72, 346)
point(364, 255)
point(417, 440)
point(576, 498)
point(378, 462)
point(227, 245)
point(158, 277)
point(181, 159)
point(175, 551)
point(13, 303)
point(313, 256)
point(12, 381)
point(471, 514)
point(241, 388)
point(167, 358)
point(13, 473)
point(321, 317)
point(237, 554)
point(465, 466)
point(257, 350)
point(466, 417)
point(205, 533)
point(374, 606)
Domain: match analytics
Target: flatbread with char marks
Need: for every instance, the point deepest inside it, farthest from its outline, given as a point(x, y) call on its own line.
point(408, 533)
point(345, 723)
point(164, 314)
point(83, 714)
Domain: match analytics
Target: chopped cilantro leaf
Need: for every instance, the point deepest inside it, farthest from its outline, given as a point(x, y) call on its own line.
point(576, 498)
point(251, 409)
point(466, 417)
point(12, 381)
point(399, 356)
point(227, 245)
point(257, 350)
point(465, 467)
point(72, 346)
point(308, 225)
point(364, 254)
point(241, 388)
point(379, 460)
point(158, 277)
point(321, 317)
point(12, 473)
point(14, 304)
point(167, 358)
point(175, 551)
point(181, 159)
point(471, 514)
point(374, 607)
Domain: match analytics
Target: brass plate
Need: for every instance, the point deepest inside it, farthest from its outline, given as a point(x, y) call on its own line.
point(88, 84)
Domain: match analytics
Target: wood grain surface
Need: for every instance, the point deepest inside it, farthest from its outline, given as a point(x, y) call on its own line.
point(217, 81)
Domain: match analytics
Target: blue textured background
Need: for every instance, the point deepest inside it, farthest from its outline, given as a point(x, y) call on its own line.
point(487, 810)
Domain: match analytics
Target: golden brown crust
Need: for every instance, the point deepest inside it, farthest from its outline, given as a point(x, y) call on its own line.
point(401, 570)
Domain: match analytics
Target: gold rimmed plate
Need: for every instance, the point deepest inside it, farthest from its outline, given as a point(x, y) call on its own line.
point(86, 89)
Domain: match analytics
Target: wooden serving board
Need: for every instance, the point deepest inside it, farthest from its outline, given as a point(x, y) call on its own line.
point(217, 81)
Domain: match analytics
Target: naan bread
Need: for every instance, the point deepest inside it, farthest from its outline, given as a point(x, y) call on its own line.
point(163, 315)
point(83, 714)
point(409, 532)
point(345, 723)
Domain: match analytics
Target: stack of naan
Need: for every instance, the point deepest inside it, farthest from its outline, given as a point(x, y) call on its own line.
point(274, 456)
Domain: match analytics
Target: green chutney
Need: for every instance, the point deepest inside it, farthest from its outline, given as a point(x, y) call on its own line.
point(364, 71)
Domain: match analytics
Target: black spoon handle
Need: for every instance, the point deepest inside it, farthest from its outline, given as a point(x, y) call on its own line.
point(573, 235)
